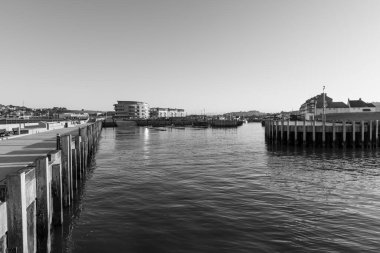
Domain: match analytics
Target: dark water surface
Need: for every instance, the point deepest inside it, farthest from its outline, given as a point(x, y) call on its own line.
point(223, 190)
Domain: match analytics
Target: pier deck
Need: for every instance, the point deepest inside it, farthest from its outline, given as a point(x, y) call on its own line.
point(18, 152)
point(42, 176)
point(341, 134)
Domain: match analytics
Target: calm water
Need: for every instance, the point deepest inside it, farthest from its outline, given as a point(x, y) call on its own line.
point(223, 190)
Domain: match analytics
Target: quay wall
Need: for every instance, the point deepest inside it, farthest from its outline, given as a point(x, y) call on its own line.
point(353, 134)
point(32, 199)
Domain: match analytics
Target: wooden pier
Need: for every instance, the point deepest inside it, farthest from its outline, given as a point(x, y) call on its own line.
point(353, 134)
point(32, 199)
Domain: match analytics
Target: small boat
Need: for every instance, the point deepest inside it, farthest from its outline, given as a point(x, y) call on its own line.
point(200, 124)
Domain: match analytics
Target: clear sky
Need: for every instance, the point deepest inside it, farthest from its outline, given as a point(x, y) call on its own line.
point(217, 55)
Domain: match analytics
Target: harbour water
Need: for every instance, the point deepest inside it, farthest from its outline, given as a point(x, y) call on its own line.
point(223, 190)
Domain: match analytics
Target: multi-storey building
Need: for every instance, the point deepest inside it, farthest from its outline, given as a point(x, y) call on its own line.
point(131, 110)
point(158, 112)
point(314, 106)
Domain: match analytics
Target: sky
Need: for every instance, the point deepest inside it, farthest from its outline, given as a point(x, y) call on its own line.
point(200, 55)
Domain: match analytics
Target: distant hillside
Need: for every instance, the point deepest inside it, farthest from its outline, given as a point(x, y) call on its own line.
point(246, 114)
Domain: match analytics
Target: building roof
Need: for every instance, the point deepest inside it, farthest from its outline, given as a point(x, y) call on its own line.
point(318, 100)
point(337, 105)
point(359, 103)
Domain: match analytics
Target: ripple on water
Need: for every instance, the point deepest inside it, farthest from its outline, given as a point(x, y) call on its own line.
point(220, 190)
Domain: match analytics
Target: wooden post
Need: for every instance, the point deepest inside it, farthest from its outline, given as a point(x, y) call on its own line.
point(323, 133)
point(21, 211)
point(377, 134)
point(71, 185)
point(304, 132)
point(282, 130)
point(288, 132)
point(295, 132)
point(276, 131)
point(353, 133)
point(58, 142)
point(66, 164)
point(74, 176)
point(362, 134)
point(271, 129)
point(79, 156)
point(314, 132)
point(370, 133)
point(334, 134)
point(56, 186)
point(3, 226)
point(344, 134)
point(43, 204)
point(16, 209)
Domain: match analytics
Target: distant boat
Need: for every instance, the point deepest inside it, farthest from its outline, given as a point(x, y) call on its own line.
point(226, 123)
point(201, 124)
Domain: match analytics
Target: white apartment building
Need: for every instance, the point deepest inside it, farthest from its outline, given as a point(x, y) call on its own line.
point(131, 110)
point(158, 112)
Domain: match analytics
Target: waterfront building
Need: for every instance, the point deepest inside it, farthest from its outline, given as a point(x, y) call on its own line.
point(314, 107)
point(360, 106)
point(158, 112)
point(131, 110)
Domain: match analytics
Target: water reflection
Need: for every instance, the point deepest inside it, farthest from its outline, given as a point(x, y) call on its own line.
point(219, 190)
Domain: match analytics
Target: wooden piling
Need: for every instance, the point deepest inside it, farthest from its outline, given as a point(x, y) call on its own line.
point(74, 176)
point(79, 156)
point(288, 132)
point(276, 128)
point(3, 226)
point(314, 132)
point(304, 133)
point(56, 186)
point(362, 134)
point(282, 130)
point(370, 133)
point(377, 134)
point(334, 134)
point(344, 134)
point(271, 129)
point(323, 133)
point(66, 161)
point(43, 204)
point(21, 211)
point(295, 132)
point(353, 133)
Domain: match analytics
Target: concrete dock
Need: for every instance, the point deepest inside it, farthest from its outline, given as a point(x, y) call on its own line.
point(40, 175)
point(17, 153)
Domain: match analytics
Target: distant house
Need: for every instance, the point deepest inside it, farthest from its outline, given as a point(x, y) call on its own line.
point(336, 107)
point(360, 106)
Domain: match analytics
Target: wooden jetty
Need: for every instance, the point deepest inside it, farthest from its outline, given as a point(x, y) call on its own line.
point(325, 134)
point(33, 198)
